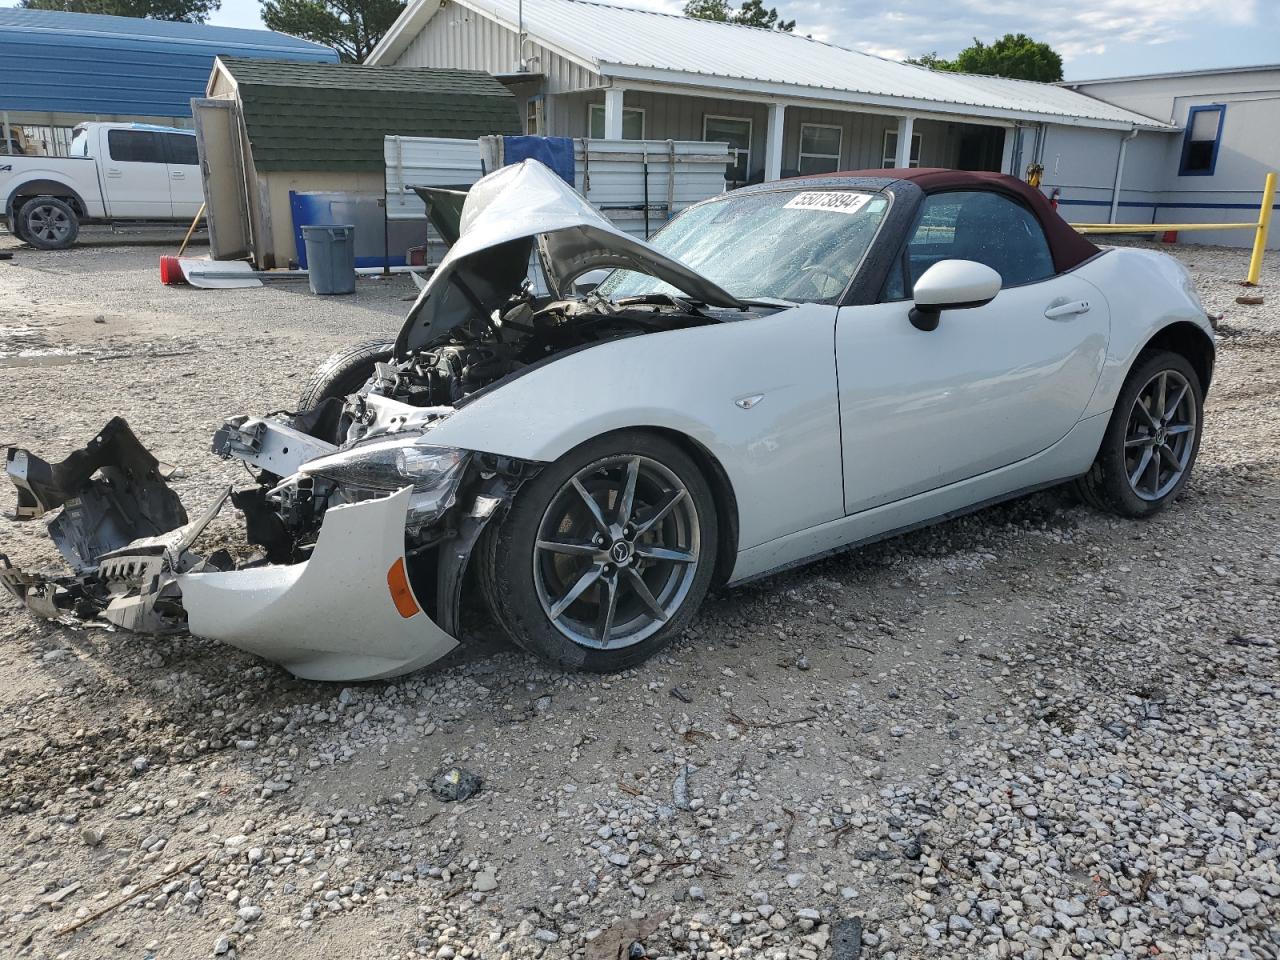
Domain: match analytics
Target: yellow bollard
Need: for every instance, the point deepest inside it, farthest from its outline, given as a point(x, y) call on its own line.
point(1260, 238)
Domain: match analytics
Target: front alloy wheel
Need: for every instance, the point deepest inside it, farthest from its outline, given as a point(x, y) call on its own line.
point(605, 555)
point(617, 552)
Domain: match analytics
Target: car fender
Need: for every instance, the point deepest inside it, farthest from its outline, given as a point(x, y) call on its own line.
point(759, 394)
point(36, 183)
point(1147, 292)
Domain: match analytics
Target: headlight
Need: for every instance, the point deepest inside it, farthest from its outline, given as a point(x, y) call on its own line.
point(376, 470)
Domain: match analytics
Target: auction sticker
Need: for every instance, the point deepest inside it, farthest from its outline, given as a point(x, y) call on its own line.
point(837, 201)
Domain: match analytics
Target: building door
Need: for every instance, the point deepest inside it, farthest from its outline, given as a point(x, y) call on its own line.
point(981, 148)
point(223, 178)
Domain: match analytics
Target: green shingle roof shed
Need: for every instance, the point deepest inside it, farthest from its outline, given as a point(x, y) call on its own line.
point(333, 116)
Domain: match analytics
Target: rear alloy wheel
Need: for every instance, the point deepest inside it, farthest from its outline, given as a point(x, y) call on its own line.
point(48, 223)
point(1152, 440)
point(1160, 435)
point(606, 554)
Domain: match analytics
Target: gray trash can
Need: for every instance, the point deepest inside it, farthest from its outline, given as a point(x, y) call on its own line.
point(331, 257)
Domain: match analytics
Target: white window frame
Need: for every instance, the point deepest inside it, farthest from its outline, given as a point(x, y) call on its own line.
point(533, 115)
point(746, 167)
point(889, 158)
point(644, 120)
point(820, 156)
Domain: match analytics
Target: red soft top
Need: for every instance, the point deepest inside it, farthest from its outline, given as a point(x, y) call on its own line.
point(1067, 247)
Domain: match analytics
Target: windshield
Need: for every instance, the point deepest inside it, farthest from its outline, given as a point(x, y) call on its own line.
point(797, 245)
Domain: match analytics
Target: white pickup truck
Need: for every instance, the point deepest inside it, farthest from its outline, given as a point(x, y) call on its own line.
point(116, 171)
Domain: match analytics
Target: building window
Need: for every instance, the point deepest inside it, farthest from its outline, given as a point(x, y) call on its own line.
point(736, 132)
point(632, 123)
point(1200, 142)
point(533, 116)
point(891, 150)
point(819, 148)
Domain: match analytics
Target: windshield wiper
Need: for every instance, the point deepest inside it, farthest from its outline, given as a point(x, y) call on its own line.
point(768, 302)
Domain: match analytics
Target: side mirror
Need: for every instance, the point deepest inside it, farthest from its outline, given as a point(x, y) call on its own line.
point(952, 285)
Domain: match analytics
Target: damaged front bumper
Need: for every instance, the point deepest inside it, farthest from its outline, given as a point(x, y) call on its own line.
point(348, 612)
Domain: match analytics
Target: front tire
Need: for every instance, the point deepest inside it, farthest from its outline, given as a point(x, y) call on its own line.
point(48, 223)
point(336, 378)
point(1152, 439)
point(605, 556)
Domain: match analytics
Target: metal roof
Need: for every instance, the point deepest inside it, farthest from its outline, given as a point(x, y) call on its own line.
point(84, 63)
point(1177, 74)
point(642, 45)
point(334, 116)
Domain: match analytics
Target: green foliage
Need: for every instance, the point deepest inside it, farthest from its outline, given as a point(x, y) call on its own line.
point(1014, 55)
point(352, 27)
point(753, 13)
point(188, 11)
point(932, 61)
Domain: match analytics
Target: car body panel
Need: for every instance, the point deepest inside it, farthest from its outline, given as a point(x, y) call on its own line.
point(1146, 291)
point(992, 385)
point(781, 453)
point(331, 617)
point(1062, 461)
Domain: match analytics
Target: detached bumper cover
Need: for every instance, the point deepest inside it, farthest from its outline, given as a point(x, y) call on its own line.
point(330, 618)
point(338, 615)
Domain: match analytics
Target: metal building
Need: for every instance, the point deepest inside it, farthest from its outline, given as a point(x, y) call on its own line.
point(788, 104)
point(1227, 137)
point(58, 69)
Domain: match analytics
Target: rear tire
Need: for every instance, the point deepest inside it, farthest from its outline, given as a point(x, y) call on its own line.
point(48, 223)
point(603, 589)
point(1152, 440)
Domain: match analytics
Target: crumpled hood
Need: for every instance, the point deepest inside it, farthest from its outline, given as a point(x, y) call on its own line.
point(504, 214)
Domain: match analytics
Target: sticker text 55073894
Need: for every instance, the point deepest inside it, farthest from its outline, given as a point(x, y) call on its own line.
point(836, 201)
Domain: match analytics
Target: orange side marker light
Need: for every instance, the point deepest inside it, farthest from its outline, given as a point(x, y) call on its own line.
point(401, 592)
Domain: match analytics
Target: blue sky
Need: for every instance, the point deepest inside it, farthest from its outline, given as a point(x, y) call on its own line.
point(1096, 37)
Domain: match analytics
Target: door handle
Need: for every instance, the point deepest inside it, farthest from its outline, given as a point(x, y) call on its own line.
point(1064, 311)
point(114, 174)
point(178, 175)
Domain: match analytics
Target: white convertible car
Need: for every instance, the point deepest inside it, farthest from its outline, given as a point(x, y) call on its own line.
point(787, 370)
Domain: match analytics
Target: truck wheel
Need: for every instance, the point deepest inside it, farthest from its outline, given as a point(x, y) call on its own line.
point(48, 223)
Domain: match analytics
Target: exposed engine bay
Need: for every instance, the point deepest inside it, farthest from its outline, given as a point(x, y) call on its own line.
point(315, 459)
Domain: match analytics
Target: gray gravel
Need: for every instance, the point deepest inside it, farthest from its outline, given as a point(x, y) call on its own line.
point(1034, 732)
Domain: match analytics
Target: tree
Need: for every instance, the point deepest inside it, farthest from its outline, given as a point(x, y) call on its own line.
point(1014, 55)
point(188, 11)
point(932, 61)
point(352, 27)
point(753, 13)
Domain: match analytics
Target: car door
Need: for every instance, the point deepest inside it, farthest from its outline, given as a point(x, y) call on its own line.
point(992, 385)
point(182, 161)
point(135, 177)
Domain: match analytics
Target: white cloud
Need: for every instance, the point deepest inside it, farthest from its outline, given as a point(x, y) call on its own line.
point(1072, 27)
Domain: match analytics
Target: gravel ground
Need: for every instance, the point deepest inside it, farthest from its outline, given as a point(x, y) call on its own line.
point(1035, 732)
